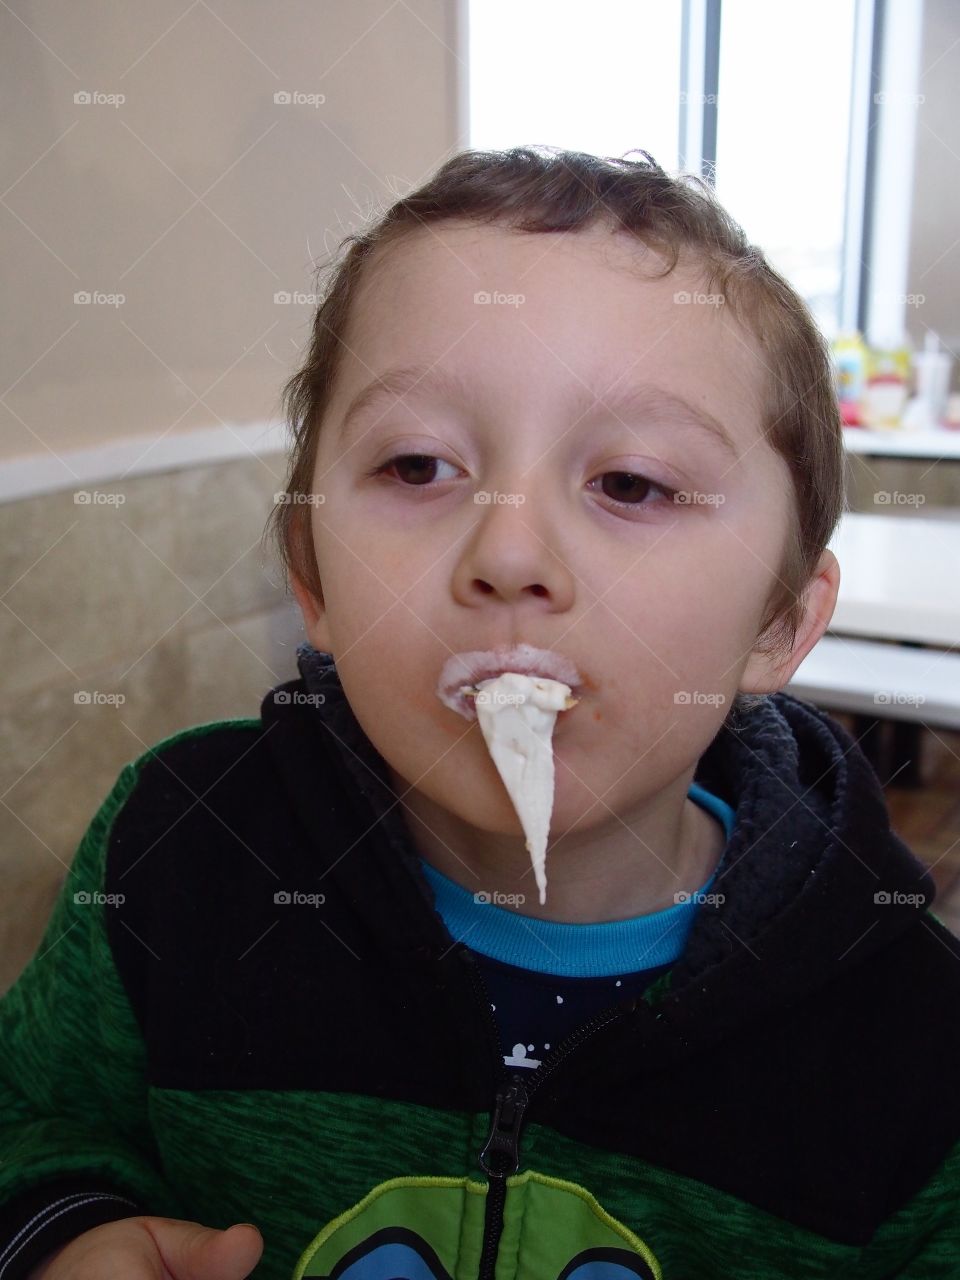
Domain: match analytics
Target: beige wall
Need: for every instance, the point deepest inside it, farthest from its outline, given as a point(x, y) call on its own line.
point(103, 197)
point(165, 598)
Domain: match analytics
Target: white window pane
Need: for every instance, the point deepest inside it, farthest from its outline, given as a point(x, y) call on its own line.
point(602, 77)
point(783, 110)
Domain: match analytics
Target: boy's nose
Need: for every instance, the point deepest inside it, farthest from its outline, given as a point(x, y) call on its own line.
point(514, 553)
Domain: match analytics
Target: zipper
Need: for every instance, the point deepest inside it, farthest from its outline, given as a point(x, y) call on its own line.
point(500, 1156)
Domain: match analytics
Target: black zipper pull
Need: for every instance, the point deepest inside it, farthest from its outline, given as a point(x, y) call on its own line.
point(501, 1155)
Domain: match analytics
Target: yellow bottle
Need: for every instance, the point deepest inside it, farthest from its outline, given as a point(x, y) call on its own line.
point(850, 354)
point(886, 389)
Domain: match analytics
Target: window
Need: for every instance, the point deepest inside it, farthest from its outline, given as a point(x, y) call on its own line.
point(783, 126)
point(602, 77)
point(777, 105)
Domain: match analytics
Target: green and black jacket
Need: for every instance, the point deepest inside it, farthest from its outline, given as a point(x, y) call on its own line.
point(783, 1104)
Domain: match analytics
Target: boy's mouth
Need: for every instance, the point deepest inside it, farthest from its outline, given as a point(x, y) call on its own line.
point(464, 671)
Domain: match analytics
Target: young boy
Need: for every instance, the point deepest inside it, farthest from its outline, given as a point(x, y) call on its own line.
point(300, 976)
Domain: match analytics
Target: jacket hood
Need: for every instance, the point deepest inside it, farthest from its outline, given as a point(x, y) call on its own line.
point(813, 881)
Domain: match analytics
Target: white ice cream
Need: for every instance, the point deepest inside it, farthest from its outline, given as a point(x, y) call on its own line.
point(517, 714)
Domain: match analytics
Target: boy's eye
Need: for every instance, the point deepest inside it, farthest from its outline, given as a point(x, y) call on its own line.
point(420, 463)
point(630, 482)
point(414, 471)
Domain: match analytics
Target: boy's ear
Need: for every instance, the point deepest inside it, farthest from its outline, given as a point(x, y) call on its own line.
point(769, 672)
point(314, 613)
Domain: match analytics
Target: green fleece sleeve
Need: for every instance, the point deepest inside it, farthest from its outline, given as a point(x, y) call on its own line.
point(73, 1095)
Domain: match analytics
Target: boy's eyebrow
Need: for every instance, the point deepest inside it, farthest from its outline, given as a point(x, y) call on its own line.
point(644, 397)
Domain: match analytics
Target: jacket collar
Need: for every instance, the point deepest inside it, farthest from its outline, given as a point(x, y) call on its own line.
point(810, 850)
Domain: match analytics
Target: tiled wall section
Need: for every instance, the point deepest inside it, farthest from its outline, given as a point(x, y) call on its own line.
point(937, 483)
point(169, 599)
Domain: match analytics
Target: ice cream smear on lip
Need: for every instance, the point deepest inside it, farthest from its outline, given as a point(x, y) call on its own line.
point(517, 713)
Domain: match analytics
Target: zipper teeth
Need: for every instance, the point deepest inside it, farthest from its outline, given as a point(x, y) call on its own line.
point(491, 1243)
point(573, 1041)
point(493, 1218)
point(481, 987)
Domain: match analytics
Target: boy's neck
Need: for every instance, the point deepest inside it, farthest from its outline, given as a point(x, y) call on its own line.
point(606, 873)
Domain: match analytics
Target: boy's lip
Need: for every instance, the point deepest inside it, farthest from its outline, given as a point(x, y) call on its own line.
point(469, 668)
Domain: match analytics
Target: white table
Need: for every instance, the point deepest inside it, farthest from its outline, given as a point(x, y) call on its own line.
point(899, 578)
point(936, 442)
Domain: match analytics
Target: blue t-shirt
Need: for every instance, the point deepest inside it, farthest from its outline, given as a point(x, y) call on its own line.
point(544, 977)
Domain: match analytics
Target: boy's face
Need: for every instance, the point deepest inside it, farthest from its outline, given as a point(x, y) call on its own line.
point(658, 603)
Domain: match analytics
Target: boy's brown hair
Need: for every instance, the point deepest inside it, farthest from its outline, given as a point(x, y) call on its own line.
point(523, 190)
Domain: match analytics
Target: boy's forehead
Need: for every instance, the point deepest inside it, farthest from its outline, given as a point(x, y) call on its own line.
point(559, 304)
point(450, 251)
